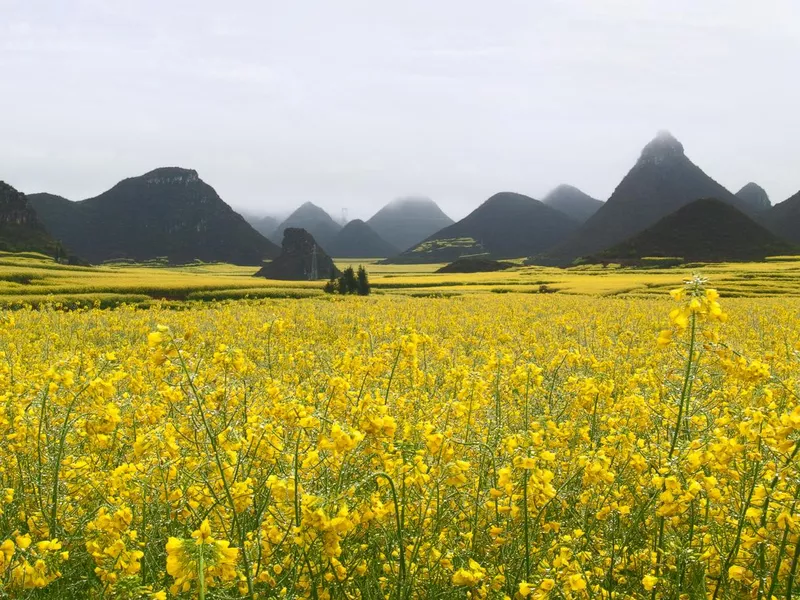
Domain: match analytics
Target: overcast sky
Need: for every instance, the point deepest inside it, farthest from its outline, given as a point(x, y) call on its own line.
point(350, 103)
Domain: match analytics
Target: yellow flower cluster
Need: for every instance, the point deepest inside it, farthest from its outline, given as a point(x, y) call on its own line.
point(498, 447)
point(201, 559)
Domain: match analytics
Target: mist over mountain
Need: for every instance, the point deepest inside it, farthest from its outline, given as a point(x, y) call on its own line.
point(404, 222)
point(169, 212)
point(706, 230)
point(572, 202)
point(314, 220)
point(265, 225)
point(662, 181)
point(507, 225)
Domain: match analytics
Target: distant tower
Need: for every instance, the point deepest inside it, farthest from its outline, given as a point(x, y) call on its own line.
point(314, 275)
point(344, 216)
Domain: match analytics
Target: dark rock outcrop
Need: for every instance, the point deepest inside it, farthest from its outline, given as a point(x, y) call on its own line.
point(20, 228)
point(299, 252)
point(475, 265)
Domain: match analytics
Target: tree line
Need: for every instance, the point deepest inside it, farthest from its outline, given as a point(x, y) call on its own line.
point(350, 282)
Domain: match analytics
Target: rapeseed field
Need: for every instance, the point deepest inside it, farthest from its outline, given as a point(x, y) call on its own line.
point(481, 446)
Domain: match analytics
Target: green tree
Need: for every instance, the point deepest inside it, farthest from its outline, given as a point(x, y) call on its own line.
point(332, 286)
point(350, 282)
point(363, 282)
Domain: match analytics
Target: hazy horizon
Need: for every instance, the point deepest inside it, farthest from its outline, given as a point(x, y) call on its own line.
point(354, 103)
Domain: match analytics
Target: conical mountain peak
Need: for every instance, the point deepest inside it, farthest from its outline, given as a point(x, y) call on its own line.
point(572, 202)
point(405, 222)
point(358, 240)
point(314, 220)
point(754, 196)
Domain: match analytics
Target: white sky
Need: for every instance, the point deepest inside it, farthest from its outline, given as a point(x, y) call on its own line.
point(350, 103)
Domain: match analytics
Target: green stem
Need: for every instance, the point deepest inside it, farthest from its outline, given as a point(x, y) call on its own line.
point(201, 575)
point(399, 523)
point(683, 400)
point(686, 387)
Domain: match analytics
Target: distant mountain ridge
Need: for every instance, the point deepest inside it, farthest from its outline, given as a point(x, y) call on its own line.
point(405, 222)
point(314, 220)
point(507, 225)
point(20, 227)
point(572, 202)
point(168, 212)
point(359, 240)
point(662, 181)
point(706, 230)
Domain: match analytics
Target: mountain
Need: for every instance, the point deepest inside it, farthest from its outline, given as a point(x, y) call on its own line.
point(263, 225)
point(572, 202)
point(169, 212)
point(299, 252)
point(359, 240)
point(783, 219)
point(706, 230)
point(755, 197)
point(662, 181)
point(405, 222)
point(314, 220)
point(507, 225)
point(20, 228)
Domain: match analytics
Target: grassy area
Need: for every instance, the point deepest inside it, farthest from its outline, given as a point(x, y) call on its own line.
point(34, 279)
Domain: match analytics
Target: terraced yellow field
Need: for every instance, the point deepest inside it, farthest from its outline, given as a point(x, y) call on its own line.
point(32, 279)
